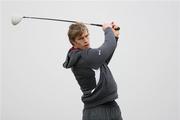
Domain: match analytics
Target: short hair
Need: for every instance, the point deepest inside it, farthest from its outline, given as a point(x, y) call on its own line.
point(75, 30)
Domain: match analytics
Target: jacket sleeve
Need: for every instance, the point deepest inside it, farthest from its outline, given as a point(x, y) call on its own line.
point(98, 56)
point(109, 58)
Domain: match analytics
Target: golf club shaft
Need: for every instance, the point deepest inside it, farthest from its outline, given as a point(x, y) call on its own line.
point(62, 20)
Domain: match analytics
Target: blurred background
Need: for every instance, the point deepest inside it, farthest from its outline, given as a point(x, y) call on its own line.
point(35, 86)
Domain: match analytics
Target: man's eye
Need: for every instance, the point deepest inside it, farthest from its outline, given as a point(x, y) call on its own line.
point(80, 38)
point(86, 36)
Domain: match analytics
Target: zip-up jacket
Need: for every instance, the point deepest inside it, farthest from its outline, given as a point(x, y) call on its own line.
point(90, 68)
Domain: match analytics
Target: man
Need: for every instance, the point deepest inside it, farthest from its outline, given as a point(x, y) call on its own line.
point(90, 68)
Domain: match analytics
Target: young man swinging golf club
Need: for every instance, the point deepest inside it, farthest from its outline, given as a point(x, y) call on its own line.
point(90, 68)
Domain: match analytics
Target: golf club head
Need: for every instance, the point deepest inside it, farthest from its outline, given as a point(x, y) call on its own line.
point(16, 19)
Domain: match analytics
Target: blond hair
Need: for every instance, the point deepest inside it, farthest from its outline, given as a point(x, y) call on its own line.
point(76, 30)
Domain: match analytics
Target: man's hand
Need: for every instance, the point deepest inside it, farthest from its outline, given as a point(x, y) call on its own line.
point(106, 25)
point(113, 26)
point(116, 32)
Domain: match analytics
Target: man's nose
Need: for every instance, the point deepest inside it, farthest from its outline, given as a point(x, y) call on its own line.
point(85, 39)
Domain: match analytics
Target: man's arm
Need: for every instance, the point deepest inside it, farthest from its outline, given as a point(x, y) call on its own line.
point(116, 34)
point(96, 57)
point(109, 58)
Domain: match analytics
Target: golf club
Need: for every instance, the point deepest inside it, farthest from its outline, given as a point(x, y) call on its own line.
point(16, 20)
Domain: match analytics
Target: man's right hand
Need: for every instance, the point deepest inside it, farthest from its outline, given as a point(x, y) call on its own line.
point(113, 26)
point(106, 25)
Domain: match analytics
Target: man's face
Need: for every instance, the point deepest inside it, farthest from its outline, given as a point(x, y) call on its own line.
point(82, 42)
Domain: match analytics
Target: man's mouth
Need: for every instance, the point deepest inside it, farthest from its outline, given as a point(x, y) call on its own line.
point(86, 45)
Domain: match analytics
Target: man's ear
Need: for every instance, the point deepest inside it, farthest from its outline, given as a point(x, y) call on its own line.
point(74, 44)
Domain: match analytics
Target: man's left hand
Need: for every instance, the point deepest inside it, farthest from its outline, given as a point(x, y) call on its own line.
point(116, 32)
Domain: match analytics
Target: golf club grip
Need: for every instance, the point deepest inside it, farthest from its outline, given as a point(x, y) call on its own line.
point(118, 28)
point(99, 25)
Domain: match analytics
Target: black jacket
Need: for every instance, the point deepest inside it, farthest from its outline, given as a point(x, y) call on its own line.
point(84, 63)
